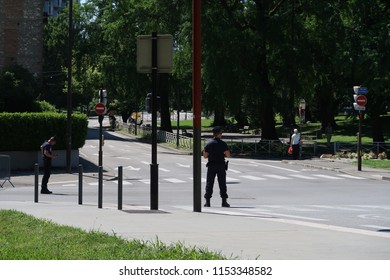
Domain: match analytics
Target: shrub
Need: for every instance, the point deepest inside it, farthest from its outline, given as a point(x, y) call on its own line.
point(44, 106)
point(27, 131)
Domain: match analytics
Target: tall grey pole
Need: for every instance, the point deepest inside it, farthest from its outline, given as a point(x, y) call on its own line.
point(154, 165)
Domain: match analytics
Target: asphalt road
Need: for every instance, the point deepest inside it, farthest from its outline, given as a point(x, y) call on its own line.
point(262, 188)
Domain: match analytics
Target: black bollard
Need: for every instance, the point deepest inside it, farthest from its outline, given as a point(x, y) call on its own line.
point(36, 189)
point(120, 187)
point(100, 188)
point(80, 184)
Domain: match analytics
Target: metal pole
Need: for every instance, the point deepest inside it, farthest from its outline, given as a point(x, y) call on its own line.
point(120, 187)
point(69, 96)
point(154, 165)
point(36, 190)
point(196, 100)
point(101, 117)
point(80, 184)
point(178, 119)
point(100, 188)
point(360, 142)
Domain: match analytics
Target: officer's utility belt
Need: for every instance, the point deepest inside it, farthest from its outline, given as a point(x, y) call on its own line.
point(214, 163)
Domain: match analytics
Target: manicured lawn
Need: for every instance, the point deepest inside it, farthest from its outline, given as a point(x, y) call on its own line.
point(23, 237)
point(377, 163)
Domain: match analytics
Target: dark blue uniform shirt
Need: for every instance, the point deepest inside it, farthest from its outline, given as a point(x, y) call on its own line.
point(216, 149)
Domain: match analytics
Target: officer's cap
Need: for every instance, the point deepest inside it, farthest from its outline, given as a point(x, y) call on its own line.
point(217, 129)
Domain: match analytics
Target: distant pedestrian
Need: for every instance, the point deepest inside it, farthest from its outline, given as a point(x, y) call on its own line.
point(215, 151)
point(329, 132)
point(295, 143)
point(47, 156)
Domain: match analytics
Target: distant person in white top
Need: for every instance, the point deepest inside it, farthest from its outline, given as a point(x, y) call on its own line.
point(295, 143)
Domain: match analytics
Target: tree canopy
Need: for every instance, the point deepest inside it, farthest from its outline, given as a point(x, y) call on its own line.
point(259, 57)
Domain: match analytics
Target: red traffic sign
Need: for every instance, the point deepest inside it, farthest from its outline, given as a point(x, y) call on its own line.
point(361, 100)
point(100, 108)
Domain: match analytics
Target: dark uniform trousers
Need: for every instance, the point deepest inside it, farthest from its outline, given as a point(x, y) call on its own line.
point(219, 170)
point(46, 172)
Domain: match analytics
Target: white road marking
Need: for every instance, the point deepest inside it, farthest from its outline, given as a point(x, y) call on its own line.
point(145, 181)
point(174, 180)
point(183, 165)
point(132, 168)
point(351, 177)
point(327, 177)
point(234, 171)
point(303, 177)
point(165, 170)
point(124, 183)
point(277, 177)
point(336, 207)
point(254, 178)
point(276, 167)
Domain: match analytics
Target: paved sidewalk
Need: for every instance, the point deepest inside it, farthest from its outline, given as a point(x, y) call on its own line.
point(217, 229)
point(345, 166)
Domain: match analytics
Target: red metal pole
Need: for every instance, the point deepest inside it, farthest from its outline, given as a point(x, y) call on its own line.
point(196, 101)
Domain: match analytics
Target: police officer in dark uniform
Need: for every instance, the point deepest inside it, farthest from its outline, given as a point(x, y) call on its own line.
point(215, 151)
point(47, 156)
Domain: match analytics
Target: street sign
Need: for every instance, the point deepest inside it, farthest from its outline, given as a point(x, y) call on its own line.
point(360, 90)
point(164, 53)
point(359, 108)
point(100, 108)
point(361, 100)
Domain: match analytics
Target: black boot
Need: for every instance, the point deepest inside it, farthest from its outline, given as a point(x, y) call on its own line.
point(207, 204)
point(46, 191)
point(224, 203)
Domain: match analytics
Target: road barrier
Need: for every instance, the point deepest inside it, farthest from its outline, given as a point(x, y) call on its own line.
point(5, 170)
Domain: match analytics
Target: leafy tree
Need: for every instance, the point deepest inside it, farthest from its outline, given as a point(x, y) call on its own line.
point(18, 90)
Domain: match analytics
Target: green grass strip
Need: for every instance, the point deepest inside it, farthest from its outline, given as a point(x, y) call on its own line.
point(23, 237)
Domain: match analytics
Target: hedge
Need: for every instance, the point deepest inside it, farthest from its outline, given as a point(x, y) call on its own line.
point(27, 131)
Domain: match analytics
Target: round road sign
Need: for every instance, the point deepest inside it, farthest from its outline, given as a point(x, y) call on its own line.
point(361, 100)
point(100, 108)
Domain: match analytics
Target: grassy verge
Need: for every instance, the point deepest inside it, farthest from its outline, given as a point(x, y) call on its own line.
point(23, 237)
point(385, 164)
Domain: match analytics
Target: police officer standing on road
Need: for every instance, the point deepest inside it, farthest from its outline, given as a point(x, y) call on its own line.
point(215, 151)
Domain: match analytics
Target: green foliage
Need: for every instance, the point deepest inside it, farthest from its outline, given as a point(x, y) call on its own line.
point(27, 131)
point(18, 90)
point(21, 239)
point(259, 58)
point(44, 106)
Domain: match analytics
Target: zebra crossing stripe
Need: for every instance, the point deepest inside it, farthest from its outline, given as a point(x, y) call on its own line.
point(327, 177)
point(124, 183)
point(174, 180)
point(254, 178)
point(304, 177)
point(277, 177)
point(351, 177)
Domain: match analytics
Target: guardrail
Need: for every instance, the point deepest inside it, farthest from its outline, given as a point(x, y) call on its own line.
point(271, 148)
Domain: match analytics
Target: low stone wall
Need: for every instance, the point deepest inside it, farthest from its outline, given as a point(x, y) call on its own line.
point(26, 160)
